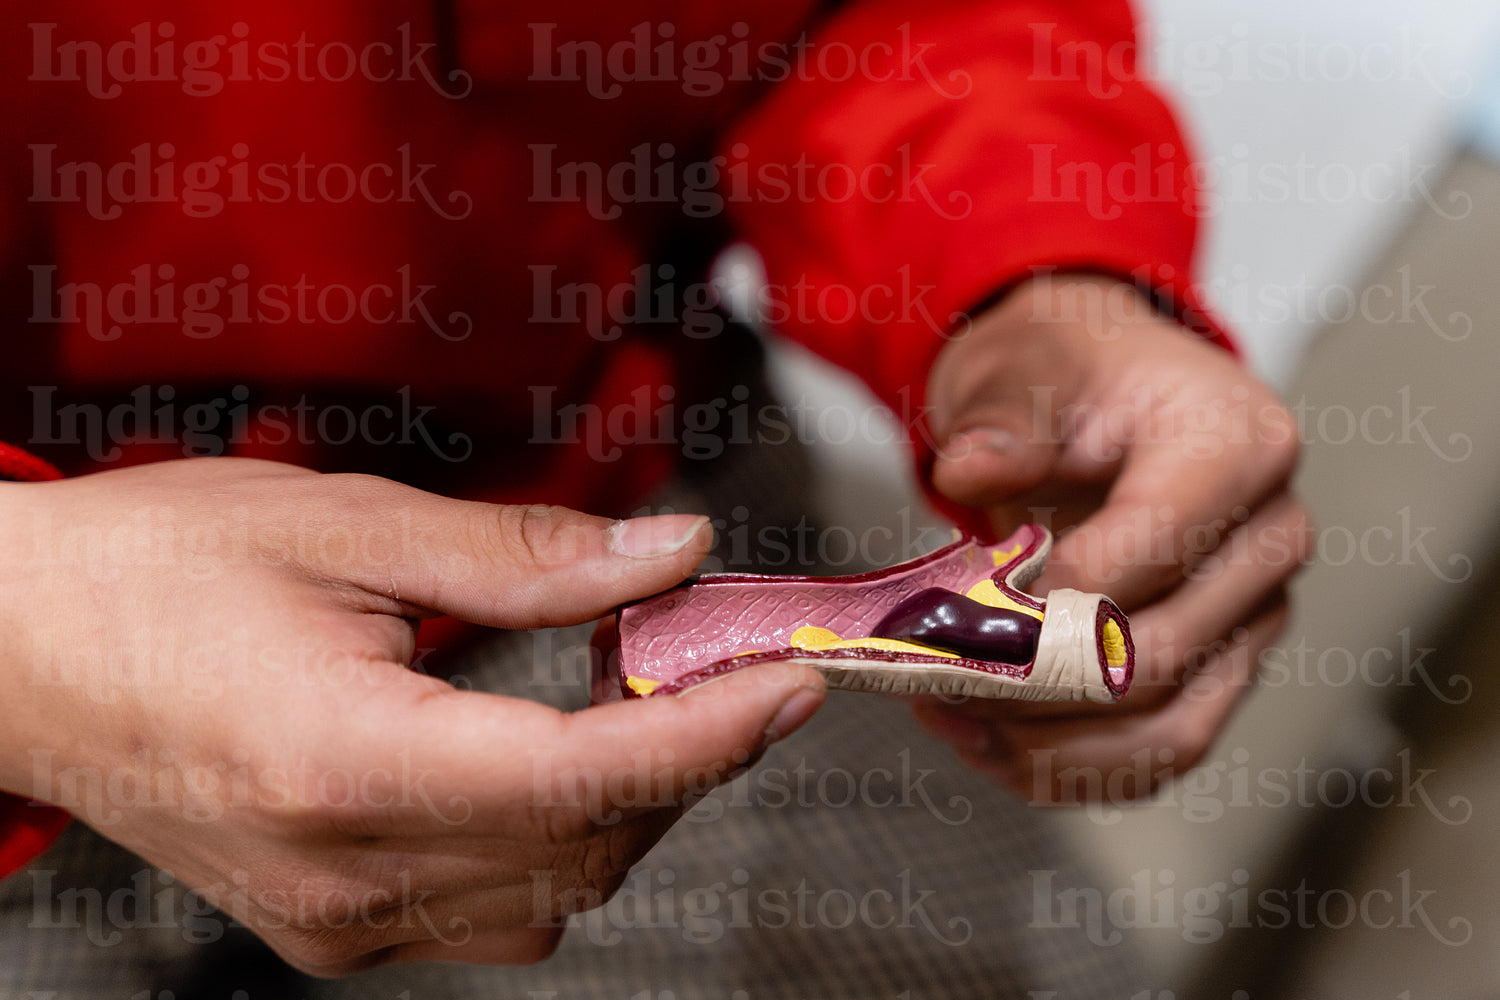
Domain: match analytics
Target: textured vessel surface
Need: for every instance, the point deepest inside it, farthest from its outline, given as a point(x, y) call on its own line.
point(723, 622)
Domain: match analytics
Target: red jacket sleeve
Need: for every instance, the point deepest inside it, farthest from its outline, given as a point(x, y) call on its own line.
point(26, 828)
point(919, 159)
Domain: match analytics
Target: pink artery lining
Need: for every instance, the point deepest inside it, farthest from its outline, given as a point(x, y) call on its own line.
point(665, 638)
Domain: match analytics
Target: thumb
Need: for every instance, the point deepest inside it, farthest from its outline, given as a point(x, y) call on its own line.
point(998, 449)
point(514, 567)
point(996, 397)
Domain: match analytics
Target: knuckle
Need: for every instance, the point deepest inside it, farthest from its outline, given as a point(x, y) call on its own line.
point(592, 892)
point(561, 825)
point(535, 525)
point(1279, 544)
point(606, 888)
point(524, 534)
point(330, 950)
point(1281, 441)
point(531, 534)
point(610, 853)
point(336, 924)
point(592, 871)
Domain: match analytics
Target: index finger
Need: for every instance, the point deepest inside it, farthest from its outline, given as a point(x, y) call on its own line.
point(478, 764)
point(1167, 510)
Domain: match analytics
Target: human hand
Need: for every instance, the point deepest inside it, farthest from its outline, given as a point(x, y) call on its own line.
point(1075, 404)
point(207, 661)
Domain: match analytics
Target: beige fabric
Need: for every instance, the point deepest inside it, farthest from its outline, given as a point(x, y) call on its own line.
point(1067, 657)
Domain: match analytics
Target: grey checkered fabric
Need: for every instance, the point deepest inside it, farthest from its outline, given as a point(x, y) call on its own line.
point(859, 859)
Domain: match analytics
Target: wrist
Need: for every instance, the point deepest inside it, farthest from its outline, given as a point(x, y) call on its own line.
point(1074, 324)
point(20, 653)
point(1076, 305)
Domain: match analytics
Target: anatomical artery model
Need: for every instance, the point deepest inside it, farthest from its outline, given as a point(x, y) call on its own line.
point(956, 621)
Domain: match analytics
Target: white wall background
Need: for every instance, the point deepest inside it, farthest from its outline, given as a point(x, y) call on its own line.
point(1325, 122)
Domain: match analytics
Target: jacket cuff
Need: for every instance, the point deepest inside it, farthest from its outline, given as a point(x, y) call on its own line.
point(22, 466)
point(26, 828)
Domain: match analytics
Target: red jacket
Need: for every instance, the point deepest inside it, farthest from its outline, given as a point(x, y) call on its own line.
point(464, 206)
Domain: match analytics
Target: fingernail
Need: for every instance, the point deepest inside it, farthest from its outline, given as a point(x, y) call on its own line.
point(654, 537)
point(990, 439)
point(793, 713)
